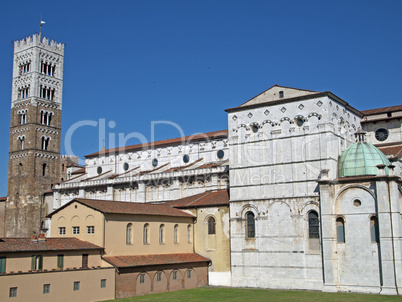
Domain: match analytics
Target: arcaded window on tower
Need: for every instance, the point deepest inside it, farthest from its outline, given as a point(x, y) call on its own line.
point(23, 92)
point(47, 69)
point(47, 93)
point(45, 142)
point(46, 117)
point(23, 118)
point(22, 142)
point(25, 68)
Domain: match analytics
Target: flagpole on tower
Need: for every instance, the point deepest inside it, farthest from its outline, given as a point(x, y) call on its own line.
point(40, 25)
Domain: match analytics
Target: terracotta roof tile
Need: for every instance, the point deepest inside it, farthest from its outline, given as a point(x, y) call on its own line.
point(395, 151)
point(50, 244)
point(206, 199)
point(159, 259)
point(122, 207)
point(80, 171)
point(382, 110)
point(167, 142)
point(3, 198)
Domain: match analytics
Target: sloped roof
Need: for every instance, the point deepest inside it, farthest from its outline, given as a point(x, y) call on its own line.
point(206, 199)
point(382, 110)
point(162, 143)
point(159, 259)
point(273, 94)
point(3, 198)
point(50, 244)
point(395, 151)
point(122, 207)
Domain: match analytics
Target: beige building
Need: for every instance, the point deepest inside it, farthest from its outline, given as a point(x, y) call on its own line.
point(53, 269)
point(150, 245)
point(211, 230)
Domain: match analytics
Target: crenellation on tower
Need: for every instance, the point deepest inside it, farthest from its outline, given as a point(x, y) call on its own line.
point(35, 132)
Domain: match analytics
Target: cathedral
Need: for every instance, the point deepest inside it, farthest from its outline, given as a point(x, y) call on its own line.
point(302, 191)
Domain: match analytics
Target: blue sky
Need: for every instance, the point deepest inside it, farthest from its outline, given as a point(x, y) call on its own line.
point(134, 62)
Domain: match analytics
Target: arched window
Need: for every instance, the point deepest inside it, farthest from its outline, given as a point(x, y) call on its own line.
point(162, 234)
point(189, 233)
point(176, 234)
point(250, 225)
point(340, 230)
point(22, 142)
point(313, 231)
point(146, 233)
point(45, 142)
point(129, 233)
point(375, 238)
point(211, 225)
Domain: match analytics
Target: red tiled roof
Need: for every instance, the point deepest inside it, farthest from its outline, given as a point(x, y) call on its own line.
point(392, 150)
point(160, 259)
point(3, 198)
point(50, 244)
point(80, 171)
point(206, 199)
point(167, 142)
point(122, 207)
point(382, 110)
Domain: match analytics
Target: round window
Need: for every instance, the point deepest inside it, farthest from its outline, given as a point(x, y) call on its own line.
point(254, 129)
point(220, 154)
point(125, 166)
point(99, 170)
point(186, 158)
point(154, 162)
point(381, 134)
point(300, 122)
point(357, 203)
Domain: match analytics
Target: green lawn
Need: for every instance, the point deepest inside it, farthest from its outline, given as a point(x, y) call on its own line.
point(212, 294)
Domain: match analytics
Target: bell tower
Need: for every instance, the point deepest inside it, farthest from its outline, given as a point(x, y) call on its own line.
point(35, 132)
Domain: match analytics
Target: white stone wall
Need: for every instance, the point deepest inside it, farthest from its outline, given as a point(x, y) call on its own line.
point(274, 165)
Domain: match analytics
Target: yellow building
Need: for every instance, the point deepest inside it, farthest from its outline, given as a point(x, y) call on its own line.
point(53, 269)
point(150, 245)
point(211, 231)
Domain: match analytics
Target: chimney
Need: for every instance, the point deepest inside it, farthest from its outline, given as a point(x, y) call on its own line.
point(41, 238)
point(34, 238)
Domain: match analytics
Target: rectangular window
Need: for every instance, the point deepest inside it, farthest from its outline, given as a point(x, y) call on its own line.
point(60, 261)
point(84, 260)
point(46, 288)
point(13, 292)
point(103, 283)
point(2, 264)
point(159, 277)
point(142, 278)
point(189, 274)
point(76, 230)
point(175, 275)
point(76, 285)
point(62, 231)
point(90, 229)
point(36, 262)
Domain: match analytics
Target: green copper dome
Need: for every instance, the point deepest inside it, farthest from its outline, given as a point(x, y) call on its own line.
point(361, 158)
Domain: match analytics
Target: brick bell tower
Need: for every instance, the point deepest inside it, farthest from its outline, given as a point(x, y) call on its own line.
point(35, 132)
